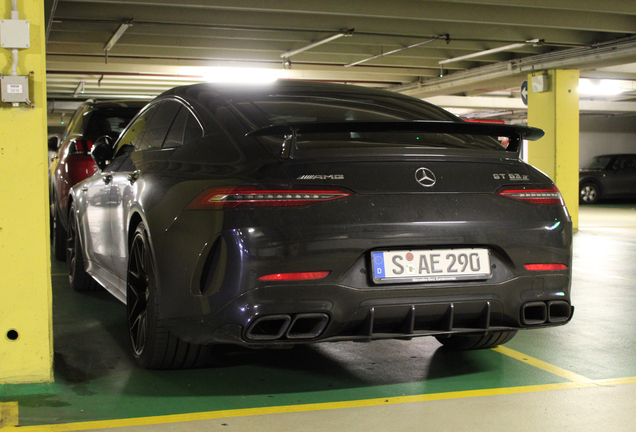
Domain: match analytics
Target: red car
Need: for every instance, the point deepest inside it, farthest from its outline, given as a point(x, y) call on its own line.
point(72, 163)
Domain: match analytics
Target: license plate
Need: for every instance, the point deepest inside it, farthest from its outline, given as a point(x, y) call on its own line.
point(439, 265)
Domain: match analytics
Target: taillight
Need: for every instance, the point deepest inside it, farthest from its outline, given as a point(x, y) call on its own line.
point(533, 194)
point(81, 146)
point(252, 197)
point(295, 276)
point(545, 267)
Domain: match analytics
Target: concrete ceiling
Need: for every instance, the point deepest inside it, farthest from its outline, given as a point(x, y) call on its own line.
point(174, 42)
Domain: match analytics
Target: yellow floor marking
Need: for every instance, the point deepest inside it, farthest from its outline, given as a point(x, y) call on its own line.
point(8, 414)
point(616, 381)
point(179, 418)
point(555, 370)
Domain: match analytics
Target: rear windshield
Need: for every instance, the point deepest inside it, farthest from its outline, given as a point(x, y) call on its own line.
point(285, 109)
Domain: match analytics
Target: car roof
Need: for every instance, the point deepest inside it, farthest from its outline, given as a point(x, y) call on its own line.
point(111, 104)
point(228, 91)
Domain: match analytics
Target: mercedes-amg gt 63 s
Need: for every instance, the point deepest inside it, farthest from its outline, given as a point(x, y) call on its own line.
point(267, 216)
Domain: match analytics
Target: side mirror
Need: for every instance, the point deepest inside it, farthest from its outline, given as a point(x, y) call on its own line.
point(102, 151)
point(53, 143)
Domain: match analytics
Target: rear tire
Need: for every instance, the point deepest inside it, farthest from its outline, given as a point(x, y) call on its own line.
point(77, 276)
point(589, 193)
point(153, 345)
point(470, 342)
point(59, 238)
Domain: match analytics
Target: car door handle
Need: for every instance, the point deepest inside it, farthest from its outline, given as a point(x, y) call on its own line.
point(107, 178)
point(133, 177)
point(84, 188)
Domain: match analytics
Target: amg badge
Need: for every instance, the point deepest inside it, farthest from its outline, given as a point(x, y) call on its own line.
point(321, 177)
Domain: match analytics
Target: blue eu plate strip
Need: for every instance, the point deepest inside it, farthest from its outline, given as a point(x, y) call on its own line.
point(378, 264)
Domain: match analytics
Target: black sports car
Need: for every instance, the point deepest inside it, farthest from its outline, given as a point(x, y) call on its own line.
point(608, 176)
point(308, 212)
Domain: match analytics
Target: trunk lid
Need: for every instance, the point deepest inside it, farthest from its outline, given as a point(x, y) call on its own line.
point(419, 175)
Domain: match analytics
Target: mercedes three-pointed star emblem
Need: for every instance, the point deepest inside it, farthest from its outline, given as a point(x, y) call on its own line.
point(425, 177)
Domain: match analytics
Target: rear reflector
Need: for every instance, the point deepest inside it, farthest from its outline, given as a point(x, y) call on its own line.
point(533, 194)
point(295, 276)
point(250, 197)
point(545, 267)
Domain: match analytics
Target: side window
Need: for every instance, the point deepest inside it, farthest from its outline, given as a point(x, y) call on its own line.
point(175, 134)
point(624, 163)
point(184, 129)
point(158, 127)
point(75, 125)
point(136, 130)
point(192, 130)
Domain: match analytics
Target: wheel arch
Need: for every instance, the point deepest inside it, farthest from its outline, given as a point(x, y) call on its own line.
point(592, 180)
point(135, 220)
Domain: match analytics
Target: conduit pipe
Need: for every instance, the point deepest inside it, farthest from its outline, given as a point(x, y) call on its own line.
point(598, 55)
point(15, 15)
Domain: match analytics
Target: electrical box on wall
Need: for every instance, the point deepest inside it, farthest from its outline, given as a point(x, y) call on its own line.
point(14, 34)
point(15, 89)
point(540, 84)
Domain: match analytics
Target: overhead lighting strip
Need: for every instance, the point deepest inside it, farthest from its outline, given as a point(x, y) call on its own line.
point(446, 37)
point(491, 51)
point(344, 33)
point(115, 37)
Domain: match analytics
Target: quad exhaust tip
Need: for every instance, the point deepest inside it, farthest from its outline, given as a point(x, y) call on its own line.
point(300, 326)
point(535, 313)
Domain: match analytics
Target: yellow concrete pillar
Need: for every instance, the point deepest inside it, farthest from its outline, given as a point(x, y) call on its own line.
point(26, 331)
point(556, 111)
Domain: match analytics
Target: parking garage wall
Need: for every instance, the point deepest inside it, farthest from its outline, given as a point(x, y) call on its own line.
point(606, 135)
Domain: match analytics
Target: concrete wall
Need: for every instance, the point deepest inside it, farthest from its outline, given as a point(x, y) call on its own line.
point(605, 135)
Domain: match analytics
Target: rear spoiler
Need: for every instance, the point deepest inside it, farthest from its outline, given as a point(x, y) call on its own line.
point(515, 133)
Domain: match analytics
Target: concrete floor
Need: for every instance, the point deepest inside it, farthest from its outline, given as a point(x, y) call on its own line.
point(580, 377)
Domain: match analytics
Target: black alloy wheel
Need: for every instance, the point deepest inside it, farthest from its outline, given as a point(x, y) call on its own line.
point(77, 276)
point(138, 293)
point(153, 346)
point(589, 193)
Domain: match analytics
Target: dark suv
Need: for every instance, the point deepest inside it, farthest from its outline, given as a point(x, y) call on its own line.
point(72, 162)
point(608, 176)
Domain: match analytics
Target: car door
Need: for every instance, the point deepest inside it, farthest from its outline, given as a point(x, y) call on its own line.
point(631, 180)
point(95, 193)
point(622, 178)
point(146, 149)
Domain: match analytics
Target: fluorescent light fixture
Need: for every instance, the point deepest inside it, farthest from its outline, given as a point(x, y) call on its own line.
point(491, 51)
point(397, 50)
point(317, 43)
point(79, 89)
point(604, 87)
point(115, 37)
point(242, 75)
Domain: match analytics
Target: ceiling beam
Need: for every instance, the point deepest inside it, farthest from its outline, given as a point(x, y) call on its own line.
point(577, 58)
point(496, 24)
point(420, 10)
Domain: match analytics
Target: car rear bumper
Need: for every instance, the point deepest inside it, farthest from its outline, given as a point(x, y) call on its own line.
point(218, 294)
point(304, 313)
